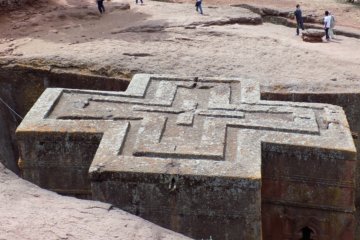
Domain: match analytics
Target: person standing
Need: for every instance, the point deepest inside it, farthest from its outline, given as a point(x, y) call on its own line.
point(141, 1)
point(332, 25)
point(198, 6)
point(299, 19)
point(327, 24)
point(101, 7)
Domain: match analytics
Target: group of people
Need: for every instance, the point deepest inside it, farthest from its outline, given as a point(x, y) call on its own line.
point(329, 23)
point(329, 19)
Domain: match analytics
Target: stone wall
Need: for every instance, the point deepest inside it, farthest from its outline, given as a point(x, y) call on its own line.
point(21, 86)
point(350, 102)
point(8, 123)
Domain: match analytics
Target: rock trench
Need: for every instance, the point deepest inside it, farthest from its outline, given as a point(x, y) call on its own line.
point(22, 84)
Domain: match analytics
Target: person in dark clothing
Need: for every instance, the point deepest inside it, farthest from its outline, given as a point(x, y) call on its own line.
point(198, 6)
point(141, 1)
point(101, 7)
point(299, 19)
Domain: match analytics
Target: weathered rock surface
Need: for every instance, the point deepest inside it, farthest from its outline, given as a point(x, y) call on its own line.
point(176, 39)
point(28, 212)
point(120, 6)
point(313, 35)
point(161, 20)
point(265, 11)
point(193, 153)
point(267, 53)
point(8, 123)
point(11, 4)
point(19, 95)
point(142, 40)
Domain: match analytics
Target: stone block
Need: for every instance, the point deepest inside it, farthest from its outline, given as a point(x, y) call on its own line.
point(313, 35)
point(202, 156)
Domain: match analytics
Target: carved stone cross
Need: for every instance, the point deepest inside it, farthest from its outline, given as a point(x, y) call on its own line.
point(191, 153)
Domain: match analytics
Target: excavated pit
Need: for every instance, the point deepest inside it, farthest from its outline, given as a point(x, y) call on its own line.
point(21, 86)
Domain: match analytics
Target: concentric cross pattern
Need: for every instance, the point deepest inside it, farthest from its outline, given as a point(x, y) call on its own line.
point(185, 119)
point(190, 153)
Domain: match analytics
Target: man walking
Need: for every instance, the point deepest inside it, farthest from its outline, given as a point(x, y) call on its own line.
point(198, 6)
point(101, 7)
point(299, 19)
point(327, 24)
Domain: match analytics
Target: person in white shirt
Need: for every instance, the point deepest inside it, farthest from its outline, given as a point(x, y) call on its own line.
point(327, 24)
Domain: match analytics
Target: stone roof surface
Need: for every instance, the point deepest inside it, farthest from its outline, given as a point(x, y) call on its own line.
point(168, 143)
point(224, 104)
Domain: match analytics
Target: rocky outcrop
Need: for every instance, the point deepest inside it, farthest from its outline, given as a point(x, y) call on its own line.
point(264, 11)
point(268, 53)
point(313, 35)
point(29, 212)
point(214, 16)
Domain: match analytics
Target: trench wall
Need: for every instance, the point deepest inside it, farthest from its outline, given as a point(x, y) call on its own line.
point(21, 86)
point(350, 102)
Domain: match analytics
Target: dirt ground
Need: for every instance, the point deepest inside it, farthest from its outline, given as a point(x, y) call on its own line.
point(170, 38)
point(346, 14)
point(40, 16)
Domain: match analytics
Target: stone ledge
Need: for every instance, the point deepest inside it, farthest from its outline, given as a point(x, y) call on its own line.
point(313, 35)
